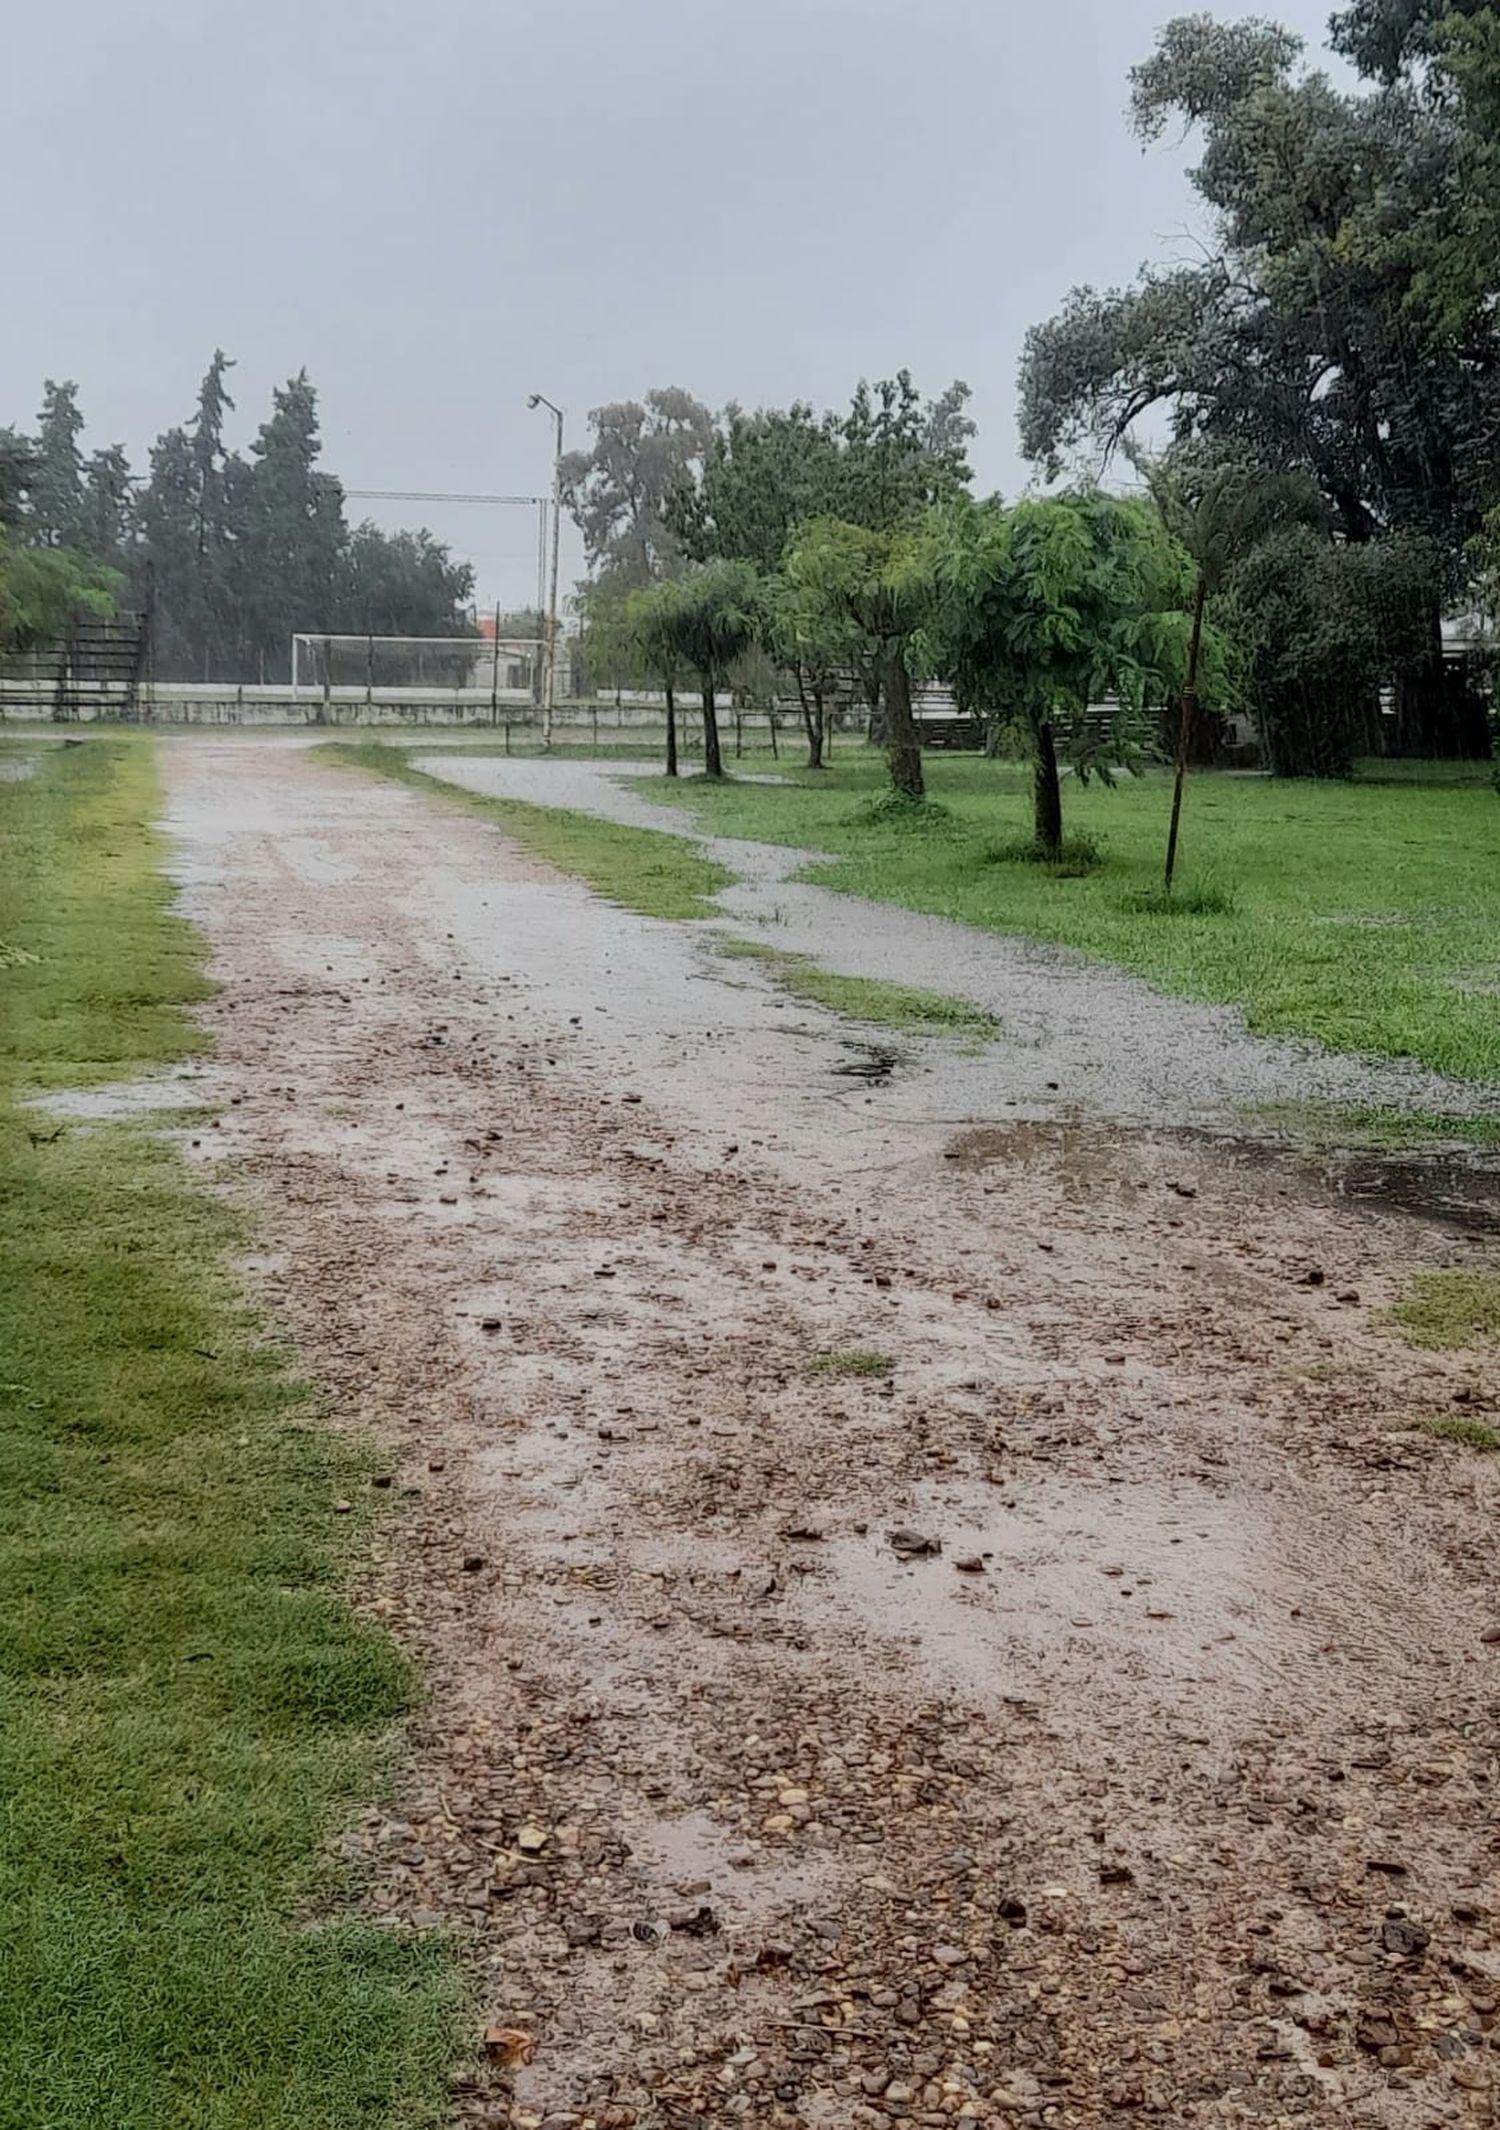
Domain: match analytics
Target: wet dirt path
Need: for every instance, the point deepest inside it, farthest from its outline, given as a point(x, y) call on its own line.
point(1164, 1788)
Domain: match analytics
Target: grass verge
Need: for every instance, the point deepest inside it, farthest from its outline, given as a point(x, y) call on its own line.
point(643, 869)
point(865, 998)
point(1365, 915)
point(1443, 1310)
point(1374, 1126)
point(851, 1361)
point(1456, 1427)
point(188, 1705)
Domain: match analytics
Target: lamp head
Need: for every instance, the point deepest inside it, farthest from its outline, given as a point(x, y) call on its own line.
point(534, 399)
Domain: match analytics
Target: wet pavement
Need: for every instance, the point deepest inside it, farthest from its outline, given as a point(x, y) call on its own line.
point(1103, 1041)
point(1159, 1785)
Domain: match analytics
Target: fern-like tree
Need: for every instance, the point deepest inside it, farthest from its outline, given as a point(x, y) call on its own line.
point(710, 620)
point(873, 591)
point(1049, 607)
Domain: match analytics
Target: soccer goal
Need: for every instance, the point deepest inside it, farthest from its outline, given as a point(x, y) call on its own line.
point(464, 675)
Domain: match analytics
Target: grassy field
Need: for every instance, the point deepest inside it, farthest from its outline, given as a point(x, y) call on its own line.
point(190, 1707)
point(640, 868)
point(1365, 914)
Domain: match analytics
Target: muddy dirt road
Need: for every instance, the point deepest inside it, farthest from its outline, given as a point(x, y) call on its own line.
point(1087, 1715)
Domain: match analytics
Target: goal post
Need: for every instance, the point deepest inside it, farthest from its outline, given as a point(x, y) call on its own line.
point(424, 672)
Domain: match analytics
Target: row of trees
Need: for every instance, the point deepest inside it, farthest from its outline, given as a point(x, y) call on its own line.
point(239, 550)
point(1032, 613)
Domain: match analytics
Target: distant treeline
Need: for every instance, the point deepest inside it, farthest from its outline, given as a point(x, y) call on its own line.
point(238, 550)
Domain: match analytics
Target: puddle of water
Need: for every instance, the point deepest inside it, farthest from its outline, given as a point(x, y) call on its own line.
point(123, 1099)
point(693, 1850)
point(1455, 1189)
point(1149, 1582)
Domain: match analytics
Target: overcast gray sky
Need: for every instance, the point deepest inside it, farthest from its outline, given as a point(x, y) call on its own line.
point(440, 207)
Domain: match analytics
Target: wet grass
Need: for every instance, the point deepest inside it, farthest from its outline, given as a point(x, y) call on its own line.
point(642, 869)
point(1366, 915)
point(1456, 1427)
point(851, 1361)
point(905, 1007)
point(1373, 1126)
point(1445, 1310)
point(188, 1705)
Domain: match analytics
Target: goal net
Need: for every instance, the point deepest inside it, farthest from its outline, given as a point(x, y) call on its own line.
point(454, 670)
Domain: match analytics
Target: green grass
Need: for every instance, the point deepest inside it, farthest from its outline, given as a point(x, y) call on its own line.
point(643, 869)
point(1366, 915)
point(189, 1707)
point(1443, 1310)
point(1375, 1126)
point(851, 1361)
point(865, 998)
point(1456, 1427)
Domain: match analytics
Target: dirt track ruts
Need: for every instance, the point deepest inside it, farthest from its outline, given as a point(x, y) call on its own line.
point(1166, 1788)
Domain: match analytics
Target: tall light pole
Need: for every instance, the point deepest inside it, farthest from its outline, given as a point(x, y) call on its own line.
point(540, 399)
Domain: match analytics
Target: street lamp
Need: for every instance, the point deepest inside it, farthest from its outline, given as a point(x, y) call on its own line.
point(540, 399)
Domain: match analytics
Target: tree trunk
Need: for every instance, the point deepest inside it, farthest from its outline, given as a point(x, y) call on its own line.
point(875, 724)
point(1047, 792)
point(903, 746)
point(1189, 721)
point(671, 730)
point(812, 719)
point(713, 761)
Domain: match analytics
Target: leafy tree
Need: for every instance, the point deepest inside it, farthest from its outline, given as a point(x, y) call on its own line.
point(42, 588)
point(656, 631)
point(764, 475)
point(710, 621)
point(873, 589)
point(405, 584)
point(621, 491)
point(1305, 340)
point(900, 456)
point(1322, 624)
point(1216, 512)
point(815, 645)
point(1054, 605)
point(56, 515)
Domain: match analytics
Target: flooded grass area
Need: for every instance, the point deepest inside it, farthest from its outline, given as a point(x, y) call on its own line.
point(1364, 915)
point(864, 998)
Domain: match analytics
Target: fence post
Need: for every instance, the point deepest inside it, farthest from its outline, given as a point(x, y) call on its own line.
point(771, 721)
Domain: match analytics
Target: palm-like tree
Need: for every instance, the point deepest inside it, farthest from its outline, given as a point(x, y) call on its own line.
point(1218, 512)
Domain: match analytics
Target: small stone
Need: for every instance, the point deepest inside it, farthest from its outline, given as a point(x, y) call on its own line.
point(1400, 1935)
point(914, 1545)
point(971, 1564)
point(473, 1562)
point(532, 1840)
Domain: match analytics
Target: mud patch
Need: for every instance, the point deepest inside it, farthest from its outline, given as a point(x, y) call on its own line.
point(1452, 1190)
